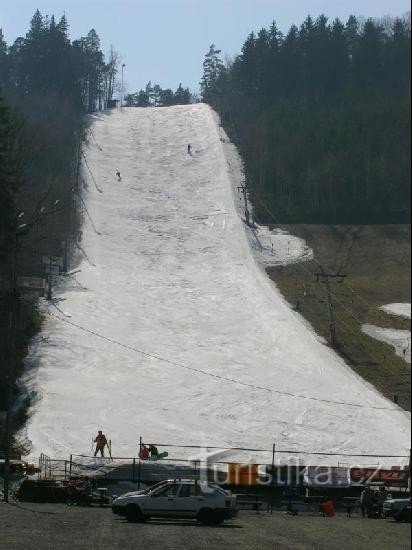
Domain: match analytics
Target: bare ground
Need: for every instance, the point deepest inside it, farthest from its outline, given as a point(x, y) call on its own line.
point(58, 527)
point(376, 262)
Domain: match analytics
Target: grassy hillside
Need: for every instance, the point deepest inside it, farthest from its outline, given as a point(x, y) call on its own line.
point(376, 260)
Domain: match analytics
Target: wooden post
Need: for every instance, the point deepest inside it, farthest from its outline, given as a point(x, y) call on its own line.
point(49, 279)
point(273, 475)
point(325, 279)
point(139, 468)
point(70, 466)
point(332, 322)
point(134, 471)
point(65, 256)
point(247, 214)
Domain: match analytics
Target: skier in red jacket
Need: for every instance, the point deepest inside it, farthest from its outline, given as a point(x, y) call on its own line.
point(101, 443)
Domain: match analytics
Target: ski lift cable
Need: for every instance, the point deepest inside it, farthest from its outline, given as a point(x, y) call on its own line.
point(94, 137)
point(87, 212)
point(220, 377)
point(91, 173)
point(367, 349)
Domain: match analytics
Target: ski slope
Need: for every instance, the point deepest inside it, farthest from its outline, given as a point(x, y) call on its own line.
point(167, 269)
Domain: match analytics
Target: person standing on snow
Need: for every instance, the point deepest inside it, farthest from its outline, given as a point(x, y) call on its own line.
point(189, 149)
point(144, 452)
point(101, 443)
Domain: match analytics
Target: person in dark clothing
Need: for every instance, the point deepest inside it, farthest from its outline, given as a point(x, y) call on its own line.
point(381, 497)
point(154, 453)
point(119, 177)
point(101, 443)
point(366, 501)
point(189, 149)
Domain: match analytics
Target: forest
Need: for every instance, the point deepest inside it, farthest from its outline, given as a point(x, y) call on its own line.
point(47, 84)
point(155, 96)
point(321, 115)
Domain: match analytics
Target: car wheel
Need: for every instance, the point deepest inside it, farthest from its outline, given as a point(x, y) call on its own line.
point(209, 517)
point(134, 514)
point(405, 515)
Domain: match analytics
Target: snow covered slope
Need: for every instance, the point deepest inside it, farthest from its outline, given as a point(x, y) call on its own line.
point(169, 272)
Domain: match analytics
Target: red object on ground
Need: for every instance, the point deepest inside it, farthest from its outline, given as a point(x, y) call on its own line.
point(328, 508)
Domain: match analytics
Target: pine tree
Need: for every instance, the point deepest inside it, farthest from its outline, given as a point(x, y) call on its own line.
point(368, 58)
point(212, 70)
point(143, 98)
point(10, 175)
point(182, 96)
point(397, 59)
point(167, 98)
point(4, 76)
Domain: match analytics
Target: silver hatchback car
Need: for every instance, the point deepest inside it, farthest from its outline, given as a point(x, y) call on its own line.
point(179, 498)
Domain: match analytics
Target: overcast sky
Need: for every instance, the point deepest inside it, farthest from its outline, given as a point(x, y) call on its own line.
point(165, 40)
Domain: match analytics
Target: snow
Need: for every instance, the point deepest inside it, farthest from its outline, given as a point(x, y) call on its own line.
point(175, 331)
point(399, 339)
point(402, 309)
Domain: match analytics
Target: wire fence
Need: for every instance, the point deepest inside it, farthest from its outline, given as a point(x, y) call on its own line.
point(221, 466)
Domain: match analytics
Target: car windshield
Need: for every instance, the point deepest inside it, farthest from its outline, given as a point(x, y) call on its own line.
point(155, 487)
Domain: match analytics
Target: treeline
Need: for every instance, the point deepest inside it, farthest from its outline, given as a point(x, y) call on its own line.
point(155, 96)
point(47, 84)
point(322, 118)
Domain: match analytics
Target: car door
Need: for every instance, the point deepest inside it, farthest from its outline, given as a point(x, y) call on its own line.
point(189, 499)
point(162, 501)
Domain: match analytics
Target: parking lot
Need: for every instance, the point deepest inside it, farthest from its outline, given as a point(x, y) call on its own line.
point(29, 526)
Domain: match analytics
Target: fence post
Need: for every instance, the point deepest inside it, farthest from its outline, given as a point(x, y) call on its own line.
point(65, 470)
point(70, 466)
point(139, 469)
point(134, 471)
point(273, 476)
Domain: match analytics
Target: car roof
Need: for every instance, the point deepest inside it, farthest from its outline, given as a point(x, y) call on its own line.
point(180, 480)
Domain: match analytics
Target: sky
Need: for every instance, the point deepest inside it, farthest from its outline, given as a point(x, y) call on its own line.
point(165, 40)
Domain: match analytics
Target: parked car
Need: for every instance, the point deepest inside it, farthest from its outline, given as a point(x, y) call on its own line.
point(181, 498)
point(397, 508)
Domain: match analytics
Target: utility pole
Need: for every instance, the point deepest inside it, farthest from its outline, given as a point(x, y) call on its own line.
point(324, 278)
point(247, 214)
point(49, 280)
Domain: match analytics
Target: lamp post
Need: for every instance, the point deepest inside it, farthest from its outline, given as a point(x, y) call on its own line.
point(122, 90)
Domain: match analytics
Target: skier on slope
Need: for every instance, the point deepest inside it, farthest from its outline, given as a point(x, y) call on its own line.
point(189, 149)
point(101, 443)
point(119, 177)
